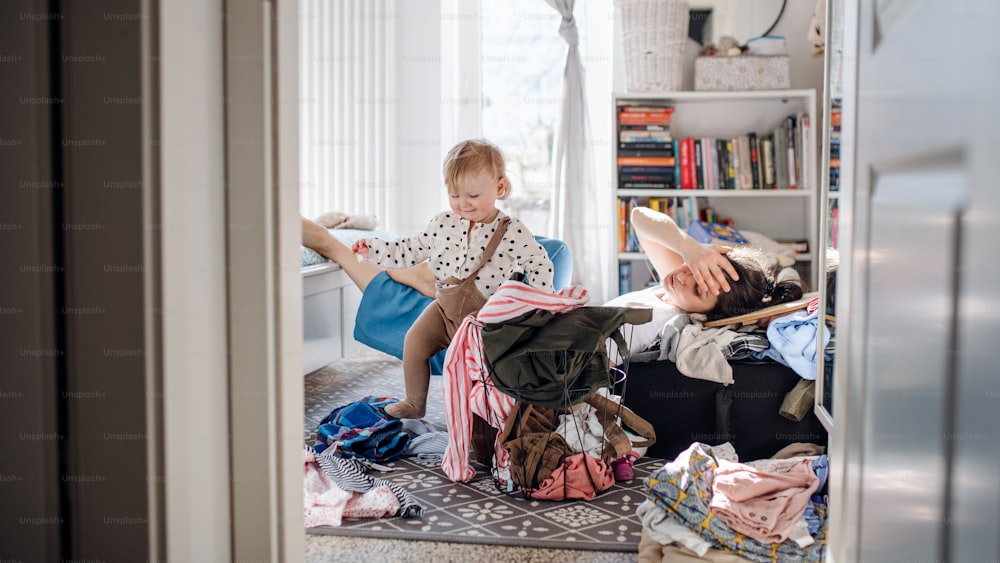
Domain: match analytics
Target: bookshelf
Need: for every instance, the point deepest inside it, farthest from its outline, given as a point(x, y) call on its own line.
point(752, 197)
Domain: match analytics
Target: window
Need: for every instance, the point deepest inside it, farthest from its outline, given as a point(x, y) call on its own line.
point(522, 64)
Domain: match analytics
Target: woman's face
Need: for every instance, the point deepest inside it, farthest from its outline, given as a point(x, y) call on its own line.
point(683, 292)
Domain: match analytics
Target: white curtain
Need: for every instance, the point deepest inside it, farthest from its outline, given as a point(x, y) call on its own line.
point(576, 204)
point(347, 124)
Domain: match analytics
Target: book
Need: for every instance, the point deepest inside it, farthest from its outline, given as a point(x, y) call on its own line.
point(684, 163)
point(780, 159)
point(664, 150)
point(645, 161)
point(722, 164)
point(643, 118)
point(623, 221)
point(708, 147)
point(624, 277)
point(632, 242)
point(767, 152)
point(699, 165)
point(745, 164)
point(804, 156)
point(714, 233)
point(755, 162)
point(646, 170)
point(730, 165)
point(644, 136)
point(666, 146)
point(791, 142)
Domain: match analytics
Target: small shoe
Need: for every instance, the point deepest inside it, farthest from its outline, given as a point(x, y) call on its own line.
point(623, 468)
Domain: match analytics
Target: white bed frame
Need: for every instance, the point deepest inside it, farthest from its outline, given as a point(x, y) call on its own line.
point(330, 302)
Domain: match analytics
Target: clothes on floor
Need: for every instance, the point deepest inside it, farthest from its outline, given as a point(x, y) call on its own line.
point(362, 429)
point(337, 488)
point(763, 505)
point(683, 489)
point(429, 446)
point(659, 527)
point(653, 551)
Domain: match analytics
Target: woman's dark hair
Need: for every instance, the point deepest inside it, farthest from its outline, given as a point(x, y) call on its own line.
point(756, 287)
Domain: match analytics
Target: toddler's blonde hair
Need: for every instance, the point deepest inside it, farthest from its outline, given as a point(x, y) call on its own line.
point(471, 157)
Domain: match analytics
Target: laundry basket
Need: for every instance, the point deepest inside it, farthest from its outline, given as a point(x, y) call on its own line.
point(552, 363)
point(654, 34)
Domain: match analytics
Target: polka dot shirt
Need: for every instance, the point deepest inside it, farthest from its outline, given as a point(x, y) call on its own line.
point(453, 252)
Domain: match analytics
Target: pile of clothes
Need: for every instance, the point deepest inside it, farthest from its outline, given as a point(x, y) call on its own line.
point(351, 441)
point(707, 505)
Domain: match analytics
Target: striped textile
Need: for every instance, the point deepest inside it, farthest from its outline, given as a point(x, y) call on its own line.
point(350, 474)
point(467, 386)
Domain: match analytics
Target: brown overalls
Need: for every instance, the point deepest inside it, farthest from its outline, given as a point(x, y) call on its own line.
point(436, 326)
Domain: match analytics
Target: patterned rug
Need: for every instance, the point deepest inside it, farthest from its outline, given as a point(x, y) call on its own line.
point(474, 512)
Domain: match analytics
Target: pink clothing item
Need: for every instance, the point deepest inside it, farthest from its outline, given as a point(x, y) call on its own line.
point(468, 389)
point(761, 505)
point(579, 477)
point(326, 504)
point(379, 502)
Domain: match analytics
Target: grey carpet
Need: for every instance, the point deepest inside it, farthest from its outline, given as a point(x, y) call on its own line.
point(475, 512)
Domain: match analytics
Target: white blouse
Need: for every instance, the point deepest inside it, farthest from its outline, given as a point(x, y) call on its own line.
point(453, 253)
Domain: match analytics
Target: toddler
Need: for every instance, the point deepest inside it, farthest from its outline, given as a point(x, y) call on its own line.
point(471, 249)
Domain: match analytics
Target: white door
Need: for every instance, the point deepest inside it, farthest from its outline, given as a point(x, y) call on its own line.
point(923, 309)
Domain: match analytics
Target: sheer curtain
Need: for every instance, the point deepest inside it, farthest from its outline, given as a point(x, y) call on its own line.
point(349, 99)
point(576, 203)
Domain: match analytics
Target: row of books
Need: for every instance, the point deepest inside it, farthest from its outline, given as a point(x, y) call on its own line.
point(683, 211)
point(777, 159)
point(645, 146)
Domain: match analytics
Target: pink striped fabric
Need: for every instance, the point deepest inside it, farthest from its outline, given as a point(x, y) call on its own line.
point(467, 386)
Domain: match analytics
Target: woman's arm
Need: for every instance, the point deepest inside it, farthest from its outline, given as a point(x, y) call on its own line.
point(669, 248)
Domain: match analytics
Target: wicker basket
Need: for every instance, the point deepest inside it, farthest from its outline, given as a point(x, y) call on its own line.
point(655, 34)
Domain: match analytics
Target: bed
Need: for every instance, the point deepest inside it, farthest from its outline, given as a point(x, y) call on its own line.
point(683, 409)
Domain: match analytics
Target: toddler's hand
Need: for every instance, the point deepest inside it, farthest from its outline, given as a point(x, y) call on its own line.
point(360, 247)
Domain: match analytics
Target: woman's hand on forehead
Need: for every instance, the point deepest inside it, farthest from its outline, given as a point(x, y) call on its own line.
point(709, 267)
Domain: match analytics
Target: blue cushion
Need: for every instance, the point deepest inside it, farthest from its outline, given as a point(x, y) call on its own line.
point(388, 308)
point(562, 261)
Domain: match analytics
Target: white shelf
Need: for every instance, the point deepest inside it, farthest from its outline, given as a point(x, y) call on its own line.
point(693, 96)
point(785, 214)
point(713, 193)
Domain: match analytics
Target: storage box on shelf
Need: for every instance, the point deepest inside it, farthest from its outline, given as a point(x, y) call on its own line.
point(749, 156)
